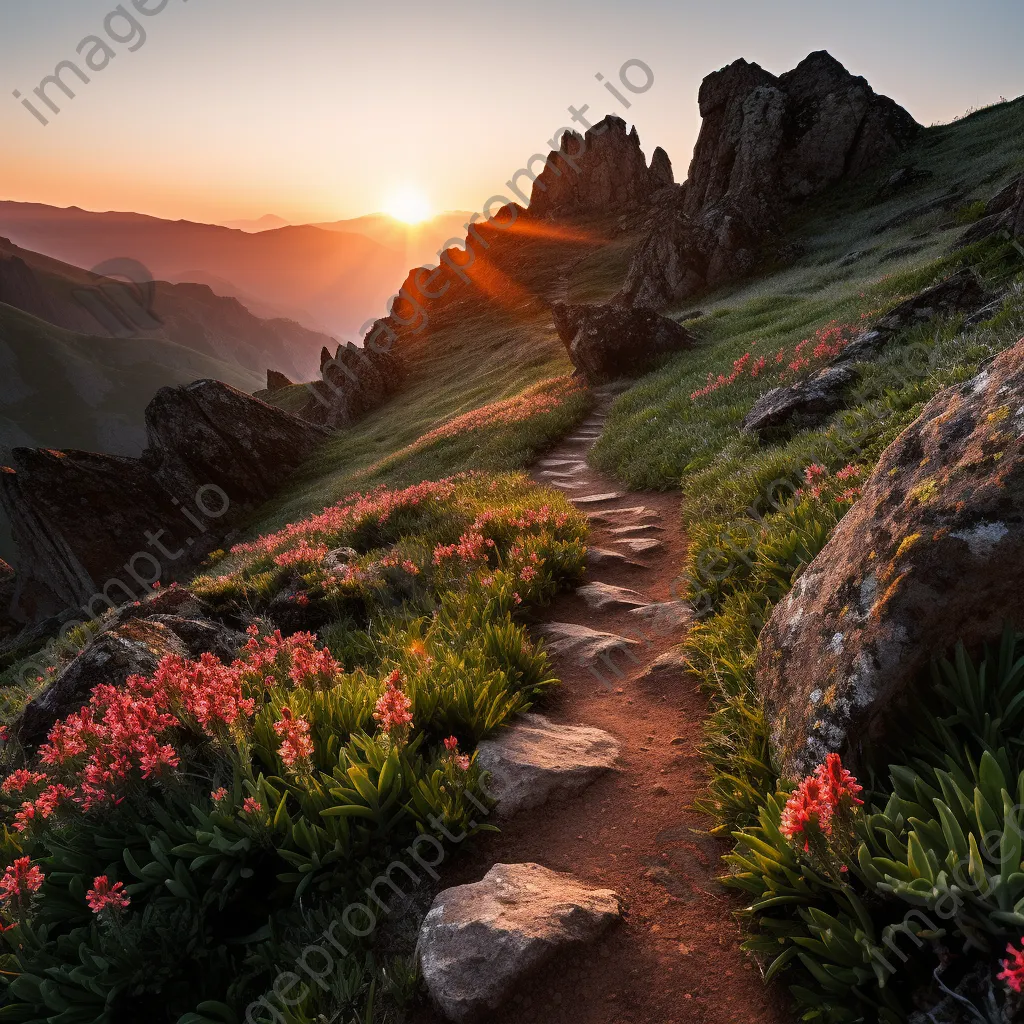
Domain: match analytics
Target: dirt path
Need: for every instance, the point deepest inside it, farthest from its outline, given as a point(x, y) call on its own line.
point(676, 958)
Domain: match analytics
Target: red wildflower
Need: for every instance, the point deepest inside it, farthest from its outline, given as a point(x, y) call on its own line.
point(296, 746)
point(251, 805)
point(103, 895)
point(19, 779)
point(20, 880)
point(807, 812)
point(1013, 969)
point(394, 709)
point(841, 788)
point(219, 794)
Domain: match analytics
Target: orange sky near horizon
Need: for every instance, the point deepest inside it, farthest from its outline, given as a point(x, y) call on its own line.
point(323, 110)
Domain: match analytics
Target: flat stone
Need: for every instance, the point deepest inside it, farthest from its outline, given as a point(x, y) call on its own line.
point(561, 463)
point(569, 469)
point(479, 943)
point(607, 558)
point(638, 528)
point(585, 644)
point(614, 515)
point(536, 759)
point(640, 544)
point(671, 664)
point(604, 595)
point(595, 499)
point(665, 614)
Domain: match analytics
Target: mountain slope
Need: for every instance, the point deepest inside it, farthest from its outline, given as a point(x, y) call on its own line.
point(63, 389)
point(341, 279)
point(191, 315)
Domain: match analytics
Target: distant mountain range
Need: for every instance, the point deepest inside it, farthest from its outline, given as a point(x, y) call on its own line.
point(333, 276)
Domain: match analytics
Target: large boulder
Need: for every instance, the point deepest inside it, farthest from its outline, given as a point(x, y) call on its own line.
point(535, 759)
point(766, 144)
point(609, 342)
point(94, 530)
point(597, 172)
point(479, 942)
point(806, 402)
point(930, 554)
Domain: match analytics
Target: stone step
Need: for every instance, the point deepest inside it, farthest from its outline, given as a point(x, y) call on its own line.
point(606, 558)
point(616, 515)
point(570, 469)
point(596, 499)
point(640, 544)
point(584, 644)
point(536, 759)
point(556, 463)
point(670, 665)
point(603, 595)
point(480, 944)
point(636, 528)
point(665, 614)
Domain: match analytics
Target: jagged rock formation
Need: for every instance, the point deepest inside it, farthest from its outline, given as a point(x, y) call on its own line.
point(352, 382)
point(1004, 213)
point(597, 172)
point(765, 144)
point(277, 381)
point(92, 529)
point(479, 942)
point(928, 555)
point(609, 342)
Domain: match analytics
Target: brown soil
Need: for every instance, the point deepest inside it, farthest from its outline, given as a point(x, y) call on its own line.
point(676, 956)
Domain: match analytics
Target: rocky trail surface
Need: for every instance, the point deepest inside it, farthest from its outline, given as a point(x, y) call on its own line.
point(599, 786)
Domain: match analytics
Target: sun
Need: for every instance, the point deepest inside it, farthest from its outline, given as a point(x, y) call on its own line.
point(408, 205)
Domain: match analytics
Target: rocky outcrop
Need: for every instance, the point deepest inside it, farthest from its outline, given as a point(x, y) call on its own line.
point(535, 759)
point(277, 381)
point(960, 293)
point(1004, 214)
point(133, 648)
point(766, 144)
point(601, 171)
point(927, 556)
point(131, 642)
point(93, 530)
point(352, 382)
point(609, 342)
point(806, 402)
point(479, 942)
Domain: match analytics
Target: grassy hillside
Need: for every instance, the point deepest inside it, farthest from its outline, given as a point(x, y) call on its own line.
point(860, 250)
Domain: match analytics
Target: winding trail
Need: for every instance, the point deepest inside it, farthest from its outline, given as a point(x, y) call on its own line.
point(676, 957)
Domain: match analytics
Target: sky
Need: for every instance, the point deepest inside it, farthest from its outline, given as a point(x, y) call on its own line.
point(328, 109)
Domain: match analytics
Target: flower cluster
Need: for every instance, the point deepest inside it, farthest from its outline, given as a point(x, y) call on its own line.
point(826, 344)
point(296, 747)
point(506, 412)
point(20, 881)
point(826, 796)
point(92, 757)
point(1013, 969)
point(103, 896)
point(471, 547)
point(393, 710)
point(844, 487)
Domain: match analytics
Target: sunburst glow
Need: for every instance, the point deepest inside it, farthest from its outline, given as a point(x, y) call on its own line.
point(409, 205)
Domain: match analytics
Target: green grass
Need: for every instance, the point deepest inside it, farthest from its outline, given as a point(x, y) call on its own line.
point(484, 359)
